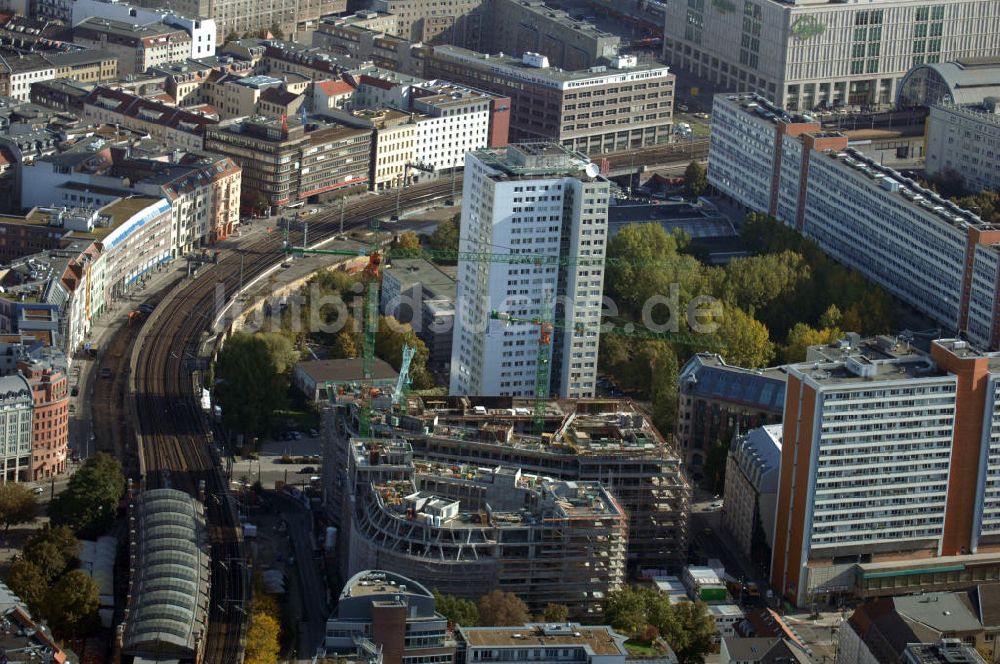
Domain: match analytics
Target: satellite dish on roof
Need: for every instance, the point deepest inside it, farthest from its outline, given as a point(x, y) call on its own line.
point(592, 170)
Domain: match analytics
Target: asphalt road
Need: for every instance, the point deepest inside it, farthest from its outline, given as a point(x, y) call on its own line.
point(312, 630)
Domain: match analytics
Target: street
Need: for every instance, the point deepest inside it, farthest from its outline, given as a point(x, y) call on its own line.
point(312, 627)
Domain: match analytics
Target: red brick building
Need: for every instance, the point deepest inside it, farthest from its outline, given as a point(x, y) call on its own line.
point(50, 436)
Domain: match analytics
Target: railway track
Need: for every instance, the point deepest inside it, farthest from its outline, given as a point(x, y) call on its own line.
point(173, 443)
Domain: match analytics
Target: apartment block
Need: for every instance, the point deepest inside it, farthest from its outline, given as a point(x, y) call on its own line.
point(302, 160)
point(605, 108)
point(200, 29)
point(171, 126)
point(751, 492)
point(811, 53)
point(466, 530)
point(965, 140)
point(16, 414)
point(717, 401)
point(296, 20)
point(889, 458)
point(137, 47)
point(50, 418)
point(587, 440)
point(369, 36)
point(531, 26)
point(538, 203)
point(932, 254)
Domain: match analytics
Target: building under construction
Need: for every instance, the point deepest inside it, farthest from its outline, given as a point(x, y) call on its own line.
point(588, 440)
point(466, 530)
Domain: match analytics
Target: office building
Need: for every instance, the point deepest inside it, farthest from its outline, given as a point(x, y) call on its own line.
point(467, 530)
point(456, 120)
point(387, 612)
point(332, 158)
point(564, 643)
point(537, 203)
point(807, 54)
point(531, 26)
point(370, 36)
point(752, 492)
point(965, 140)
point(718, 401)
point(888, 471)
point(588, 440)
point(463, 22)
point(606, 108)
point(927, 251)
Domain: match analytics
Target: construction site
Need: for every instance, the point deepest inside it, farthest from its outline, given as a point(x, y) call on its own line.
point(466, 530)
point(483, 452)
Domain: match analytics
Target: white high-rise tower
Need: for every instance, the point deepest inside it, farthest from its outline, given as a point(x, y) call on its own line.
point(536, 200)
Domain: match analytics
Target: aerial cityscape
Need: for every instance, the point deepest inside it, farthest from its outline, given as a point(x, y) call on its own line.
point(466, 331)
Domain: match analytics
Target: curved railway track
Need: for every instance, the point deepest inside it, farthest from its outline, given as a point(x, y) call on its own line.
point(172, 434)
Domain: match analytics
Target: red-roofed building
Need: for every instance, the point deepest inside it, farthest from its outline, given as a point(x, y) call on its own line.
point(331, 94)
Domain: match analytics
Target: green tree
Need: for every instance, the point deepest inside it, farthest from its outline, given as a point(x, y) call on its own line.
point(754, 283)
point(445, 236)
point(747, 341)
point(17, 505)
point(276, 31)
point(28, 582)
point(248, 384)
point(695, 179)
point(389, 341)
point(344, 346)
point(232, 36)
point(281, 350)
point(89, 503)
point(714, 470)
point(53, 549)
point(690, 632)
point(457, 610)
point(632, 608)
point(71, 604)
point(502, 609)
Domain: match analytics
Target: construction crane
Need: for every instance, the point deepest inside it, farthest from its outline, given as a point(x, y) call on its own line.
point(404, 374)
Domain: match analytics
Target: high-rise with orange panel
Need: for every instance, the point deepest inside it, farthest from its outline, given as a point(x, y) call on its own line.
point(890, 472)
point(50, 426)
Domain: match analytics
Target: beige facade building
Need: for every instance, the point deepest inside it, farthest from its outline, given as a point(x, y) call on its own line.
point(174, 127)
point(295, 20)
point(395, 147)
point(603, 109)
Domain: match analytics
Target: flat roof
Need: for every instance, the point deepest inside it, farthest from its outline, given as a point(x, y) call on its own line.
point(412, 271)
point(602, 641)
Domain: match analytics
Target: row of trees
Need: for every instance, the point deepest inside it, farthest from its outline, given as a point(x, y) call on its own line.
point(497, 609)
point(764, 308)
point(263, 645)
point(641, 613)
point(43, 575)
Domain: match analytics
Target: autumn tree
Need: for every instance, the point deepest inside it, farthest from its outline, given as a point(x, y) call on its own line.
point(457, 610)
point(344, 346)
point(17, 504)
point(802, 336)
point(555, 613)
point(746, 340)
point(686, 626)
point(389, 341)
point(502, 609)
point(262, 639)
point(408, 242)
point(28, 582)
point(71, 604)
point(690, 631)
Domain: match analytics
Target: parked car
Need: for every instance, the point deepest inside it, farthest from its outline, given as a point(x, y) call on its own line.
point(702, 116)
point(296, 435)
point(313, 433)
point(682, 108)
point(38, 490)
point(308, 470)
point(74, 391)
point(106, 372)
